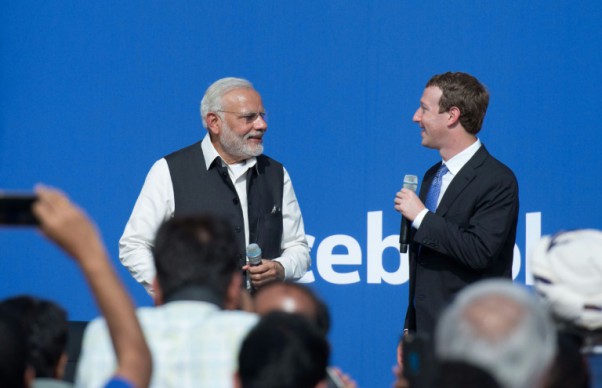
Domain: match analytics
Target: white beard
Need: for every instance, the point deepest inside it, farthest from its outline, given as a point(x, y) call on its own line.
point(238, 146)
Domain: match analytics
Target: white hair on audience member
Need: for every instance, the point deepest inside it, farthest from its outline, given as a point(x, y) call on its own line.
point(212, 100)
point(500, 327)
point(567, 273)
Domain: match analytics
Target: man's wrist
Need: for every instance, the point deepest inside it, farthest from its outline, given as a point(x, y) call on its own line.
point(280, 270)
point(418, 220)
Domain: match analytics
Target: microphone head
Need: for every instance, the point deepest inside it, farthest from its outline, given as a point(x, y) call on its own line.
point(253, 251)
point(410, 182)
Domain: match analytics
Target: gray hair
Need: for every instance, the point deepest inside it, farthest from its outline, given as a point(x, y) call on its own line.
point(500, 327)
point(212, 100)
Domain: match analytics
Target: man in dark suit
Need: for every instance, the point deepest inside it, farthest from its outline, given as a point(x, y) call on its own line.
point(464, 221)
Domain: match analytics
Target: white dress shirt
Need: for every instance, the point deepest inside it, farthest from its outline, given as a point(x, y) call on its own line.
point(193, 344)
point(454, 165)
point(156, 204)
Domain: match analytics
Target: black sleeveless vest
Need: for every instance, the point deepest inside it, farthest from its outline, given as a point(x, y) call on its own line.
point(210, 191)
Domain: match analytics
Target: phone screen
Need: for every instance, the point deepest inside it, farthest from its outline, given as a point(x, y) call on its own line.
point(419, 363)
point(16, 209)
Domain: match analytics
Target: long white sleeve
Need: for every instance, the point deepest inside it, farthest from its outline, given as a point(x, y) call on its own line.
point(295, 250)
point(154, 205)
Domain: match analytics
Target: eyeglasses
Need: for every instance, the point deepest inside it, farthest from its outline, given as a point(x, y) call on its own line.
point(249, 117)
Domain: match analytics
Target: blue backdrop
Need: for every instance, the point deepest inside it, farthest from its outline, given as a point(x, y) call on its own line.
point(92, 93)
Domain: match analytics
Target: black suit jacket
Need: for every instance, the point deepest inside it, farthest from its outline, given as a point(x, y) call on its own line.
point(470, 237)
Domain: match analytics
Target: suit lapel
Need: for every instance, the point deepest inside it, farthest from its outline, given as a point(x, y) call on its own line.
point(459, 183)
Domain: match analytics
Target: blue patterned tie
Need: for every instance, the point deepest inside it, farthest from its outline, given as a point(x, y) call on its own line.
point(435, 189)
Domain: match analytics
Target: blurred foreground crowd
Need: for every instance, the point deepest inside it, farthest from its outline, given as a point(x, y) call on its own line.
point(206, 331)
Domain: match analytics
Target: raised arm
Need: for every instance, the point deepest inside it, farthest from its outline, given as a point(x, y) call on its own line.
point(69, 227)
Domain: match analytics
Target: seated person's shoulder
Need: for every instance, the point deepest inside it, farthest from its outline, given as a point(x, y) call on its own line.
point(242, 317)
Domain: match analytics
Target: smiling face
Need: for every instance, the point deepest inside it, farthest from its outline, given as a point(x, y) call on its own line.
point(434, 124)
point(237, 134)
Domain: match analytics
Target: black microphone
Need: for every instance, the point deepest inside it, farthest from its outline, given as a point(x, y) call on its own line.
point(410, 182)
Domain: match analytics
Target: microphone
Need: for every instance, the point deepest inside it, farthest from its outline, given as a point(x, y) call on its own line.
point(410, 182)
point(254, 254)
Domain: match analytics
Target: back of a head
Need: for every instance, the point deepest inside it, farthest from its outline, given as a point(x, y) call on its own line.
point(567, 273)
point(293, 298)
point(283, 351)
point(45, 326)
point(465, 92)
point(500, 327)
point(13, 351)
point(195, 251)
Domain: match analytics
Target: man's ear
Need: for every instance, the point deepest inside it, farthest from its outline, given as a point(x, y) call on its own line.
point(232, 301)
point(454, 115)
point(30, 375)
point(322, 384)
point(61, 365)
point(236, 380)
point(157, 292)
point(213, 123)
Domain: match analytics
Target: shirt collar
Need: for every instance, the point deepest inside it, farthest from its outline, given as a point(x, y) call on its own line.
point(210, 154)
point(195, 293)
point(455, 164)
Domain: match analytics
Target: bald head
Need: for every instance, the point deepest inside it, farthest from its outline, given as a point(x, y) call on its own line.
point(287, 297)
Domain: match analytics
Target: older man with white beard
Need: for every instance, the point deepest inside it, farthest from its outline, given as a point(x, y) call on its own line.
point(226, 175)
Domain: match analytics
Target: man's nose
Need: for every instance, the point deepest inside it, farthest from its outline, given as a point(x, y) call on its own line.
point(417, 116)
point(260, 123)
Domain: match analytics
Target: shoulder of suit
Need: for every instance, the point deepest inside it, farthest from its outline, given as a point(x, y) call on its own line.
point(496, 169)
point(490, 159)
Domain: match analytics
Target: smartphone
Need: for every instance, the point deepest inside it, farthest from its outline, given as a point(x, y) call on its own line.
point(16, 209)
